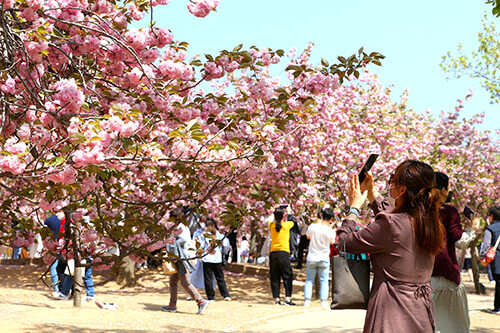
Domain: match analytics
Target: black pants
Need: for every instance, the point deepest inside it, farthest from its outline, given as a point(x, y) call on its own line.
point(496, 304)
point(303, 244)
point(280, 268)
point(209, 271)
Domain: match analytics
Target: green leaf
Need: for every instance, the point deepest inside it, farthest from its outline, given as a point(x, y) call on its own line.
point(65, 149)
point(49, 195)
point(237, 48)
point(190, 124)
point(58, 161)
point(117, 107)
point(175, 133)
point(198, 135)
point(324, 62)
point(196, 62)
point(293, 67)
point(233, 145)
point(80, 138)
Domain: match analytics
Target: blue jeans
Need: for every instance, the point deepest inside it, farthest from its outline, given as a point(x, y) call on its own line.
point(87, 281)
point(54, 277)
point(16, 252)
point(322, 268)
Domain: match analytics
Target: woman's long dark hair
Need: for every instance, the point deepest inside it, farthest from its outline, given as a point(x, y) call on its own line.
point(278, 217)
point(421, 202)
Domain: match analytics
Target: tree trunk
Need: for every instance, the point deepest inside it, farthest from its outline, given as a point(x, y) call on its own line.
point(479, 287)
point(75, 228)
point(78, 286)
point(126, 277)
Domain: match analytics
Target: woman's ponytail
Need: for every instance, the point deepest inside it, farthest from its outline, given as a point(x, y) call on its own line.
point(421, 202)
point(429, 230)
point(278, 217)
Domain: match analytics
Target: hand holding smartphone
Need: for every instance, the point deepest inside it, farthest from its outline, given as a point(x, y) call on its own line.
point(368, 165)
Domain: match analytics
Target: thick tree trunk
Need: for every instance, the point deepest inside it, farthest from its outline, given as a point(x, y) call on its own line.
point(479, 287)
point(126, 277)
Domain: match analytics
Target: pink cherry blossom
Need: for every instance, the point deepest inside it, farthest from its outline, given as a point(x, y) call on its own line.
point(201, 8)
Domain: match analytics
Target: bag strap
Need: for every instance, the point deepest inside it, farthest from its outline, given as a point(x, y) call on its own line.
point(344, 248)
point(496, 244)
point(357, 256)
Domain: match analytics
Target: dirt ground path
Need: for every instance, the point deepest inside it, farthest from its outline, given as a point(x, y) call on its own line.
point(26, 306)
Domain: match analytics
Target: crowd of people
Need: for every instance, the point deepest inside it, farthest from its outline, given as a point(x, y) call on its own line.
point(411, 243)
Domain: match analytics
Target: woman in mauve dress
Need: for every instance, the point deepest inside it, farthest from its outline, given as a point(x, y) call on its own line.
point(402, 242)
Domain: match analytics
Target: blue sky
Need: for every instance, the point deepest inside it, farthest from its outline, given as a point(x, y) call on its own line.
point(412, 35)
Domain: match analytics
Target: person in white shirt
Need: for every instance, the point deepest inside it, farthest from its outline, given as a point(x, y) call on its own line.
point(321, 235)
point(244, 247)
point(212, 262)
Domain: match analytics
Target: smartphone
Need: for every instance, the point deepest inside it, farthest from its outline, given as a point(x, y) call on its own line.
point(468, 212)
point(368, 165)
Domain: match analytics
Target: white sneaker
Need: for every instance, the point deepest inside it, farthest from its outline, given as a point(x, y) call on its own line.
point(307, 302)
point(189, 298)
point(325, 305)
point(61, 296)
point(228, 299)
point(89, 298)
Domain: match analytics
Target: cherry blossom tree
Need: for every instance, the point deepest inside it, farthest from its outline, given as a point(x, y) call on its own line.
point(311, 165)
point(116, 122)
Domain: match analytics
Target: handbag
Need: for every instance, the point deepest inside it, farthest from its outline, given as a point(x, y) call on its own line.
point(350, 281)
point(490, 255)
point(169, 267)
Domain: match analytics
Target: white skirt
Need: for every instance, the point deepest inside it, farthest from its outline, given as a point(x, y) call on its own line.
point(450, 306)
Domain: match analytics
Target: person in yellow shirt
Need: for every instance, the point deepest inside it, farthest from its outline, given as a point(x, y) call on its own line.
point(279, 256)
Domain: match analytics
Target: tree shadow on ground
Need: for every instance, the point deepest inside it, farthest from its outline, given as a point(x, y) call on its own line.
point(484, 330)
point(34, 305)
point(157, 307)
point(49, 328)
point(152, 307)
point(22, 276)
point(324, 329)
point(260, 287)
point(149, 280)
